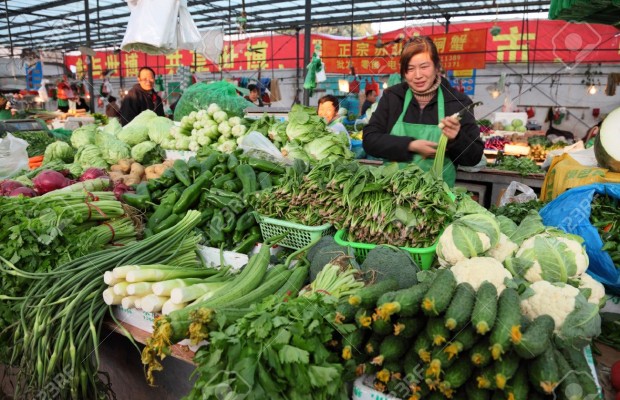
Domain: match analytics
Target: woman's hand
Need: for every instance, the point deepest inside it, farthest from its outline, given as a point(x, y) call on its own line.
point(425, 148)
point(451, 127)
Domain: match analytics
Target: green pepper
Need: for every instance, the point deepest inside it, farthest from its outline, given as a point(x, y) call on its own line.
point(233, 185)
point(225, 193)
point(206, 216)
point(142, 189)
point(247, 176)
point(148, 232)
point(222, 158)
point(139, 201)
point(238, 237)
point(264, 165)
point(264, 180)
point(215, 228)
point(167, 223)
point(255, 229)
point(219, 168)
point(219, 181)
point(195, 168)
point(247, 244)
point(232, 162)
point(209, 163)
point(230, 220)
point(191, 195)
point(156, 194)
point(218, 201)
point(167, 179)
point(245, 221)
point(164, 210)
point(181, 171)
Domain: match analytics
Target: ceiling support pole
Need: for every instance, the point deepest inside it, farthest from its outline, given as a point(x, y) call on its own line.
point(91, 84)
point(307, 45)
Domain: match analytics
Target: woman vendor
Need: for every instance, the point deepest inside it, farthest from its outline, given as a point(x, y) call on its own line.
point(405, 125)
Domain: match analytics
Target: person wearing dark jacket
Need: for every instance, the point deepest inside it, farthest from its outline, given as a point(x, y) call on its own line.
point(405, 126)
point(141, 97)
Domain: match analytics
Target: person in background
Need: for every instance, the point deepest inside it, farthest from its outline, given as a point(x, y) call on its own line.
point(82, 104)
point(371, 98)
point(112, 110)
point(254, 95)
point(328, 110)
point(405, 126)
point(588, 139)
point(63, 94)
point(141, 97)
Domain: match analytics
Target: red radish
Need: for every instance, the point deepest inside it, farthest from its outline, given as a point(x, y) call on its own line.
point(24, 191)
point(49, 180)
point(7, 186)
point(615, 376)
point(92, 173)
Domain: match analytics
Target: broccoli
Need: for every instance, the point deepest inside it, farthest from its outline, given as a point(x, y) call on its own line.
point(391, 262)
point(330, 254)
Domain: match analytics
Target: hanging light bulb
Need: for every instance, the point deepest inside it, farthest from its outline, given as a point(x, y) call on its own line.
point(379, 43)
point(343, 85)
point(592, 90)
point(385, 85)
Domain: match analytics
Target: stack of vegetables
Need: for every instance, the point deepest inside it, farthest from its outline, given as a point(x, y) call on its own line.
point(44, 232)
point(62, 310)
point(405, 207)
point(279, 348)
point(37, 141)
point(216, 183)
point(523, 165)
point(606, 219)
point(540, 146)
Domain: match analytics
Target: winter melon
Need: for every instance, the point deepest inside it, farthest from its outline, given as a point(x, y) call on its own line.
point(607, 142)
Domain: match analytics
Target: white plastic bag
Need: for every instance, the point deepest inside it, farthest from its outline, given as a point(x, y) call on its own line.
point(13, 156)
point(577, 150)
point(43, 91)
point(257, 145)
point(160, 27)
point(511, 196)
point(320, 75)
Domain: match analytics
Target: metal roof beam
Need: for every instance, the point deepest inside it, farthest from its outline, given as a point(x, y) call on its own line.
point(38, 7)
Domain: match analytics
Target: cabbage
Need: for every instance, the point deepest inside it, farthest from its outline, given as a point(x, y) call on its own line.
point(146, 153)
point(220, 116)
point(224, 129)
point(58, 151)
point(212, 109)
point(90, 156)
point(159, 129)
point(294, 150)
point(113, 127)
point(330, 146)
point(112, 149)
point(83, 136)
point(238, 130)
point(182, 143)
point(134, 134)
point(234, 121)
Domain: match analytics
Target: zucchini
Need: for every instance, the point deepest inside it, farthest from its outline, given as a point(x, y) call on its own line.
point(423, 346)
point(264, 180)
point(535, 339)
point(455, 377)
point(372, 346)
point(485, 308)
point(473, 392)
point(518, 387)
point(345, 313)
point(363, 318)
point(274, 279)
point(577, 360)
point(367, 297)
point(480, 355)
point(438, 296)
point(381, 326)
point(391, 348)
point(505, 369)
point(405, 302)
point(460, 308)
point(247, 176)
point(436, 330)
point(543, 372)
point(462, 341)
point(352, 344)
point(570, 387)
point(408, 327)
point(295, 282)
point(508, 318)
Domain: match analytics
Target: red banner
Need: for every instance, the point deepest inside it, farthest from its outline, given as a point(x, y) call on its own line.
point(466, 46)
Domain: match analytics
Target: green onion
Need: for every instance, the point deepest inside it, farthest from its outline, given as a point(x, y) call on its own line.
point(153, 303)
point(139, 289)
point(203, 291)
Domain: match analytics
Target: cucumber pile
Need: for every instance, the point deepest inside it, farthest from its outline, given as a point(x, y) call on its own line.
point(440, 339)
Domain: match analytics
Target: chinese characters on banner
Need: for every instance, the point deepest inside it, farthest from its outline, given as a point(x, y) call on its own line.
point(468, 46)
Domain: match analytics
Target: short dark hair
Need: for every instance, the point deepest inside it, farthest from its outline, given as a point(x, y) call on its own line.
point(369, 91)
point(146, 69)
point(415, 46)
point(330, 98)
point(111, 98)
point(253, 88)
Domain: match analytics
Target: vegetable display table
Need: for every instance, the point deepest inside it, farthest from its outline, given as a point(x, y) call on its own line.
point(498, 180)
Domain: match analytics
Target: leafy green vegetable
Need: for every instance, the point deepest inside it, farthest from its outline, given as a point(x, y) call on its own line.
point(159, 129)
point(83, 136)
point(58, 151)
point(112, 150)
point(37, 141)
point(517, 211)
point(523, 165)
point(90, 156)
point(146, 153)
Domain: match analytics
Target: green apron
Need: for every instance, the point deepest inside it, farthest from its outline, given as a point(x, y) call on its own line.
point(425, 132)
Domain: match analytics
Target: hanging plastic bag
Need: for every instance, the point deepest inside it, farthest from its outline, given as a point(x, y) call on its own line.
point(13, 156)
point(571, 212)
point(188, 36)
point(256, 145)
point(510, 195)
point(320, 73)
point(43, 91)
point(152, 26)
point(354, 86)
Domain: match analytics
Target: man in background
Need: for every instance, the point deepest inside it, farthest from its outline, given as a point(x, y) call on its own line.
point(141, 97)
point(371, 98)
point(254, 95)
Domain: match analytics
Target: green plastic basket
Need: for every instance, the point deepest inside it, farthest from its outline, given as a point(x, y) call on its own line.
point(299, 235)
point(423, 256)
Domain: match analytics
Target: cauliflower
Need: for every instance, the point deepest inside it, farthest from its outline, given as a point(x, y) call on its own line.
point(596, 290)
point(194, 146)
point(505, 248)
point(227, 147)
point(234, 121)
point(479, 269)
point(576, 320)
point(238, 130)
point(468, 236)
point(212, 109)
point(220, 116)
point(224, 129)
point(553, 258)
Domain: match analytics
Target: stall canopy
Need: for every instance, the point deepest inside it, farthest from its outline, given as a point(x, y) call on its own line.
point(62, 24)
